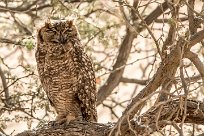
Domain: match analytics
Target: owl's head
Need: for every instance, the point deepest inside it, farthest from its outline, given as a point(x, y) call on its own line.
point(58, 32)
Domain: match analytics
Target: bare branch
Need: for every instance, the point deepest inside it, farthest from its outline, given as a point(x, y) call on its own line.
point(192, 27)
point(196, 38)
point(149, 30)
point(5, 87)
point(165, 72)
point(135, 81)
point(74, 1)
point(196, 61)
point(24, 9)
point(9, 41)
point(114, 78)
point(156, 13)
point(145, 125)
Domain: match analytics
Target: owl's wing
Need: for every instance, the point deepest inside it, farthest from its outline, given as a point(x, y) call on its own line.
point(40, 58)
point(87, 86)
point(40, 55)
point(87, 89)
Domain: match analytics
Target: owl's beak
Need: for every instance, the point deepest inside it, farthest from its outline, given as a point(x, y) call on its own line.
point(62, 40)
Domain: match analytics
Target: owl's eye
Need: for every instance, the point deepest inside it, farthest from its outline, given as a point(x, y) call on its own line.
point(54, 40)
point(69, 29)
point(50, 31)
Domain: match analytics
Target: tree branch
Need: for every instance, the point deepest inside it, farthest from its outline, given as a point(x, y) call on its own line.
point(135, 81)
point(5, 87)
point(4, 40)
point(145, 124)
point(196, 38)
point(156, 13)
point(23, 8)
point(114, 78)
point(191, 18)
point(165, 72)
point(197, 62)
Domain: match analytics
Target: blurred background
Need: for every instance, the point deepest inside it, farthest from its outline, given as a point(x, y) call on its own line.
point(103, 27)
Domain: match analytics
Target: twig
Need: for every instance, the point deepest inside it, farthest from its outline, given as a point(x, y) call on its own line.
point(157, 119)
point(111, 109)
point(135, 81)
point(184, 84)
point(177, 128)
point(147, 27)
point(17, 80)
point(130, 126)
point(123, 66)
point(197, 62)
point(183, 81)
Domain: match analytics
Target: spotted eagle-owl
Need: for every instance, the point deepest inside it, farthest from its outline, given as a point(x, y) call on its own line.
point(66, 72)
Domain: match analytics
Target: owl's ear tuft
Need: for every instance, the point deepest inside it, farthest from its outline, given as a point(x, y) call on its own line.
point(48, 23)
point(39, 36)
point(70, 23)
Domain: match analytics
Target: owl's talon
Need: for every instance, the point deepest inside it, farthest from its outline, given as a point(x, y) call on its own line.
point(66, 124)
point(57, 123)
point(52, 123)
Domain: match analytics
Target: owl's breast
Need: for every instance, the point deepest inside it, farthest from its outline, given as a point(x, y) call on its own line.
point(61, 76)
point(55, 51)
point(59, 63)
point(60, 70)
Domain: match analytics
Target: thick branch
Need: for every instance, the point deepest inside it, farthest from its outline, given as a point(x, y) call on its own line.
point(73, 129)
point(5, 87)
point(195, 114)
point(197, 62)
point(192, 27)
point(173, 111)
point(165, 72)
point(196, 38)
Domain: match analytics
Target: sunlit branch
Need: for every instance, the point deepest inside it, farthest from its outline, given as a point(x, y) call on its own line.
point(5, 87)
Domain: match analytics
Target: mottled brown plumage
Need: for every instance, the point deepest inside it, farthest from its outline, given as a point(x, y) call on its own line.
point(66, 72)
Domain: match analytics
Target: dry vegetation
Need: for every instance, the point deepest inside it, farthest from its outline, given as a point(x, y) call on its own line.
point(148, 56)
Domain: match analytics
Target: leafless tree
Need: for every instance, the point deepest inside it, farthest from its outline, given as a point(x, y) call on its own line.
point(156, 47)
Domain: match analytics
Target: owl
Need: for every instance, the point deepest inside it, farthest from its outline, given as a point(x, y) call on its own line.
point(66, 72)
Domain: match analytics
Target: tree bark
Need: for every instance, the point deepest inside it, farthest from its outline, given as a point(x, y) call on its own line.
point(171, 112)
